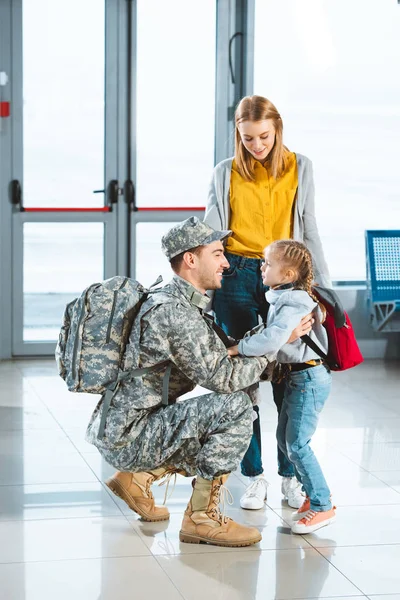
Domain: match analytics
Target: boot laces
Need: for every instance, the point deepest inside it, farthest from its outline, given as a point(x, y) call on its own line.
point(166, 482)
point(145, 488)
point(221, 494)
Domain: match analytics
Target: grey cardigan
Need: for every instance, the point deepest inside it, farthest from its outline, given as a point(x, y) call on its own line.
point(304, 225)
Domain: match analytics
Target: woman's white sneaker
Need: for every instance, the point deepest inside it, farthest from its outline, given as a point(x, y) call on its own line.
point(255, 495)
point(292, 492)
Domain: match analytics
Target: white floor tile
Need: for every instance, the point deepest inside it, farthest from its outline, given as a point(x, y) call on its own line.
point(61, 539)
point(373, 569)
point(26, 417)
point(69, 537)
point(77, 437)
point(50, 468)
point(374, 432)
point(384, 597)
point(263, 575)
point(28, 442)
point(391, 478)
point(55, 501)
point(374, 457)
point(105, 579)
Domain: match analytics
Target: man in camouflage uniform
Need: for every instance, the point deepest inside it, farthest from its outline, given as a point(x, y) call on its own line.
point(205, 436)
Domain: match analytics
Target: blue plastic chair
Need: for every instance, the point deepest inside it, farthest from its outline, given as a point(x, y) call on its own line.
point(383, 278)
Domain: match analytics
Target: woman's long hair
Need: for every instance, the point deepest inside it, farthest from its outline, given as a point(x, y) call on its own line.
point(257, 108)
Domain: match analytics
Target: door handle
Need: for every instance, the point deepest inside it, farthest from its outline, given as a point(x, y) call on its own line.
point(15, 191)
point(130, 194)
point(113, 191)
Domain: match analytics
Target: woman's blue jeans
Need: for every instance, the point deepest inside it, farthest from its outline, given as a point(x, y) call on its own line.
point(239, 305)
point(305, 396)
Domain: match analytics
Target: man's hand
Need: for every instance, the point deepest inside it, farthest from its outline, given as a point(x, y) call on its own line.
point(233, 351)
point(302, 329)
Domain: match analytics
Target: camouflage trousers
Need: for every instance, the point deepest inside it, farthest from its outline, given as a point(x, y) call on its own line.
point(205, 436)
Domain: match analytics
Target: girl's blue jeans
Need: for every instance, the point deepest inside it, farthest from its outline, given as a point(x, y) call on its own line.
point(238, 306)
point(305, 396)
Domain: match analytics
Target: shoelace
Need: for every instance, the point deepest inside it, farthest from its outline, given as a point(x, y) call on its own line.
point(167, 482)
point(310, 514)
point(224, 496)
point(253, 488)
point(145, 488)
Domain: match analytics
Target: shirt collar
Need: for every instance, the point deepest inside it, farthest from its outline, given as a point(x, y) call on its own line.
point(194, 296)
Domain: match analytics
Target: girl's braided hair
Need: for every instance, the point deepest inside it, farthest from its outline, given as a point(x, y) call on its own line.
point(297, 256)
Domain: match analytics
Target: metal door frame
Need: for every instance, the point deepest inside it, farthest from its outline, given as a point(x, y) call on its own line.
point(115, 107)
point(235, 36)
point(234, 79)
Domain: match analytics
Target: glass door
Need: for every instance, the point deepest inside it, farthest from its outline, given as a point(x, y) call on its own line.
point(68, 160)
point(174, 95)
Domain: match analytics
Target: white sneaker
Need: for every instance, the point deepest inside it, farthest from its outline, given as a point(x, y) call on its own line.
point(291, 490)
point(255, 495)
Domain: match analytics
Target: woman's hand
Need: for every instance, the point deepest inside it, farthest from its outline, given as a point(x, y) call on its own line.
point(302, 329)
point(233, 351)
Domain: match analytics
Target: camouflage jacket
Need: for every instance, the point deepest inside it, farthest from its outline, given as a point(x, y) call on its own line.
point(171, 325)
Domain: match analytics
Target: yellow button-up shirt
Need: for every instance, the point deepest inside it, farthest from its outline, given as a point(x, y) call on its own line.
point(261, 210)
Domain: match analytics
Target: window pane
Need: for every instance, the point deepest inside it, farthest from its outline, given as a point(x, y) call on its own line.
point(175, 101)
point(150, 260)
point(63, 115)
point(60, 261)
point(331, 69)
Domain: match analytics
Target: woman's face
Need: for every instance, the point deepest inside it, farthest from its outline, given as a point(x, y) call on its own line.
point(258, 137)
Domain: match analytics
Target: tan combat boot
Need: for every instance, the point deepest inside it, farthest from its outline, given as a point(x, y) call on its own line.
point(134, 489)
point(203, 521)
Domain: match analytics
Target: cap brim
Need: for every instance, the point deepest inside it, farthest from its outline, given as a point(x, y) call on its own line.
point(217, 236)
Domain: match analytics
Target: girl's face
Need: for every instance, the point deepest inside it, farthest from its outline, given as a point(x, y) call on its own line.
point(272, 271)
point(258, 137)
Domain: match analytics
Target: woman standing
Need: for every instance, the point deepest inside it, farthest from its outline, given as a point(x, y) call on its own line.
point(263, 194)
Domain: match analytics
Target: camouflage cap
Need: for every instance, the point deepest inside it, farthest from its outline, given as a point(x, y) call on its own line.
point(190, 234)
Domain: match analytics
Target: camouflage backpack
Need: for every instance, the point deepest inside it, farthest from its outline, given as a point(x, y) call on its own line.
point(93, 338)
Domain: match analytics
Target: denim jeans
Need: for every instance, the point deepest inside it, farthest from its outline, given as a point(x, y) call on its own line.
point(305, 396)
point(238, 305)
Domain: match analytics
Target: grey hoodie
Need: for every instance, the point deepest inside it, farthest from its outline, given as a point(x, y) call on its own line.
point(287, 308)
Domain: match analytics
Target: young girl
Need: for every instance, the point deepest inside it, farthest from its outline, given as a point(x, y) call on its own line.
point(288, 272)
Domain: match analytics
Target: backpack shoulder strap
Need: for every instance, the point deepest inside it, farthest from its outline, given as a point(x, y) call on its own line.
point(126, 376)
point(218, 330)
point(311, 344)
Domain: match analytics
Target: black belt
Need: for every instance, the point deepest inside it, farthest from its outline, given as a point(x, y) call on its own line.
point(303, 366)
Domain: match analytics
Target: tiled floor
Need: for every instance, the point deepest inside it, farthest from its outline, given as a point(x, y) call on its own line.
point(63, 536)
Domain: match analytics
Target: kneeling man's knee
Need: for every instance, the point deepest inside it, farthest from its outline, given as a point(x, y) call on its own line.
point(240, 402)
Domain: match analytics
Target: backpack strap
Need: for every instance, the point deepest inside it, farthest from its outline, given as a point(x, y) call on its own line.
point(218, 330)
point(127, 376)
point(311, 344)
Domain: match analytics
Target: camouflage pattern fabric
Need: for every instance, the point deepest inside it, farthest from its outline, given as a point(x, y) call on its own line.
point(95, 331)
point(190, 234)
point(170, 326)
point(206, 436)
